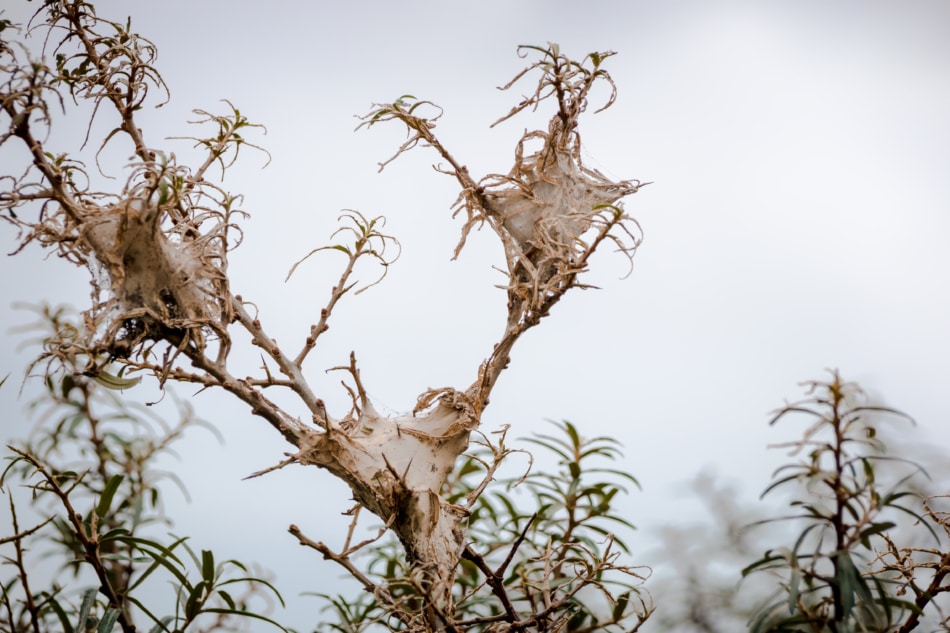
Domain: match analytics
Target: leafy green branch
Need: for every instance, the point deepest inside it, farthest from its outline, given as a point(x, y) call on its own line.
point(846, 511)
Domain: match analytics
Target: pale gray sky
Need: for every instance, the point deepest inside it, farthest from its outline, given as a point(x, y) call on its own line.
point(799, 152)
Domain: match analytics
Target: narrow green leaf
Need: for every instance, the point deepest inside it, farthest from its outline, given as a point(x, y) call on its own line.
point(113, 534)
point(621, 605)
point(162, 625)
point(875, 528)
point(227, 598)
point(794, 581)
point(246, 614)
point(207, 566)
point(258, 581)
point(195, 601)
point(60, 614)
point(105, 500)
point(88, 600)
point(116, 383)
point(109, 618)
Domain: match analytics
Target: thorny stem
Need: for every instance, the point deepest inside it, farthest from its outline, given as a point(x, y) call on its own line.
point(837, 520)
point(498, 456)
point(336, 293)
point(89, 542)
point(17, 539)
point(925, 597)
point(343, 560)
point(906, 567)
point(355, 513)
point(260, 405)
point(17, 536)
point(287, 365)
point(228, 136)
point(495, 579)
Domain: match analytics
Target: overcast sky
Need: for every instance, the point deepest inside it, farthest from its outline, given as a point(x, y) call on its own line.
point(797, 220)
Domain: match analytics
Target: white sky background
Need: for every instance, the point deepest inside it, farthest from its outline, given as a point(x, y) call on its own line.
point(797, 220)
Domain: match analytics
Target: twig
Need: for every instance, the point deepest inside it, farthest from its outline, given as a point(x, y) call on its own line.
point(378, 592)
point(271, 469)
point(17, 539)
point(494, 581)
point(287, 365)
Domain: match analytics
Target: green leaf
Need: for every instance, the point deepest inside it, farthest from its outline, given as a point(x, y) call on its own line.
point(113, 534)
point(116, 383)
point(875, 528)
point(577, 620)
point(109, 618)
point(88, 600)
point(794, 580)
point(60, 614)
point(621, 605)
point(227, 598)
point(259, 581)
point(162, 625)
point(161, 557)
point(195, 601)
point(67, 385)
point(207, 565)
point(246, 614)
point(105, 500)
point(851, 585)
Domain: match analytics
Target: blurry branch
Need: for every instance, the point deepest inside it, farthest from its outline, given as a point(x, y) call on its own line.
point(87, 532)
point(845, 510)
point(912, 565)
point(99, 452)
point(18, 536)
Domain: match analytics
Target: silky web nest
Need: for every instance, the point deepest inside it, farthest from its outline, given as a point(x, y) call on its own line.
point(550, 210)
point(164, 284)
point(552, 199)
